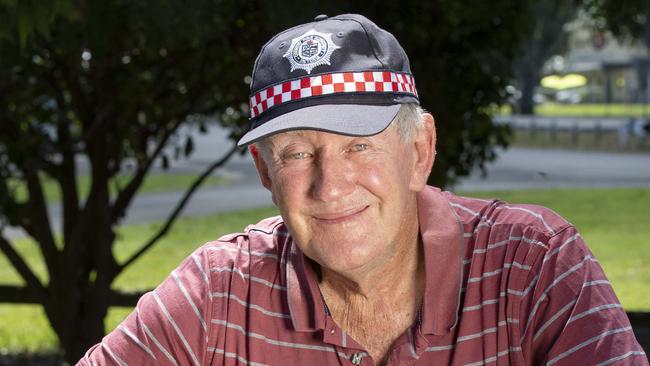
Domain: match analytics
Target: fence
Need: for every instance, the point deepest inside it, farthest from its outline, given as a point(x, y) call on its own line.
point(630, 131)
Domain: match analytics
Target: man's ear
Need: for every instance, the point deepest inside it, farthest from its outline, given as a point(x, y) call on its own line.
point(260, 164)
point(425, 150)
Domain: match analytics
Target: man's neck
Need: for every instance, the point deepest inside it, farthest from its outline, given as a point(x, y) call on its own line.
point(377, 307)
point(377, 283)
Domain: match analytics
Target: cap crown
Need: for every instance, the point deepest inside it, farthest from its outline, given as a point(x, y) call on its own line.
point(360, 46)
point(342, 75)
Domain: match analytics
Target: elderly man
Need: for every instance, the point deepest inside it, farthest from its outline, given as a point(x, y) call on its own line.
point(366, 264)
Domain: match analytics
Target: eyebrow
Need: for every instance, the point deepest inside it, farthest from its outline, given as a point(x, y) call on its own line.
point(289, 134)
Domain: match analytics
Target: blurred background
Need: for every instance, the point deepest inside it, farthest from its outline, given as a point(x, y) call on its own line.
point(118, 121)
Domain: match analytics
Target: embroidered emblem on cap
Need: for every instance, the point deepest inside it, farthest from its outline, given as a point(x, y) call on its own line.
point(310, 50)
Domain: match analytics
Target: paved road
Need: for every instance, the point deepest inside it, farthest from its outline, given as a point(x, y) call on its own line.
point(516, 168)
point(521, 168)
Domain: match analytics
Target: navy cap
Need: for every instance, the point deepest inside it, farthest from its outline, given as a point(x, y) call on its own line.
point(342, 74)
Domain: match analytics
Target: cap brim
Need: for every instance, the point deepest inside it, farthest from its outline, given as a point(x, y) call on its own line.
point(345, 119)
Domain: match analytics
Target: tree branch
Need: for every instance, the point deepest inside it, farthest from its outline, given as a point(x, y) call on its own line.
point(179, 207)
point(126, 195)
point(40, 226)
point(18, 295)
point(125, 299)
point(23, 295)
point(10, 208)
point(34, 285)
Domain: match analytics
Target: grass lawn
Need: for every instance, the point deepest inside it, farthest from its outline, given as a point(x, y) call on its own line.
point(153, 183)
point(613, 223)
point(597, 110)
point(587, 110)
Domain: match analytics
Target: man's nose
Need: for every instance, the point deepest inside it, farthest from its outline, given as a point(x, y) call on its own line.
point(334, 178)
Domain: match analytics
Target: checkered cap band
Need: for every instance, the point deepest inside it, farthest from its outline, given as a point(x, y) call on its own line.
point(333, 83)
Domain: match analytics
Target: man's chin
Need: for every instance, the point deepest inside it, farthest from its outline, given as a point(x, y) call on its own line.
point(346, 257)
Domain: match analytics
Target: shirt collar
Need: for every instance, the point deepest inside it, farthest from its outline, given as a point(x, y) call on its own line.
point(442, 237)
point(306, 305)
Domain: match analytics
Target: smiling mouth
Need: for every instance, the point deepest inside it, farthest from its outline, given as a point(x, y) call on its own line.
point(340, 216)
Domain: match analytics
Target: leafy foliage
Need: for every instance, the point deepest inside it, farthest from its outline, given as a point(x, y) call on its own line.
point(625, 18)
point(111, 82)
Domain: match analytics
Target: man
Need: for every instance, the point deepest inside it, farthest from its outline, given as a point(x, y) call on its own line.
point(366, 265)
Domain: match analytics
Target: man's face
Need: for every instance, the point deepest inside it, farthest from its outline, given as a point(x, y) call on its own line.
point(349, 202)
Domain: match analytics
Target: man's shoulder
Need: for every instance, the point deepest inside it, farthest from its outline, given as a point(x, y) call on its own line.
point(261, 241)
point(505, 234)
point(477, 213)
point(266, 229)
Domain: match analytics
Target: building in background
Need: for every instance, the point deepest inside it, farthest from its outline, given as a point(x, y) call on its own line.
point(597, 68)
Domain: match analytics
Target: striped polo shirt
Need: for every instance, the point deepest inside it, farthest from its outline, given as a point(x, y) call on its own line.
point(505, 285)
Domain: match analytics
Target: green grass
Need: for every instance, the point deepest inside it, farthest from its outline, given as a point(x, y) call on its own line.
point(587, 110)
point(153, 183)
point(607, 110)
point(612, 221)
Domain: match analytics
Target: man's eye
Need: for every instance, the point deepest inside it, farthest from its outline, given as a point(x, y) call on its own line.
point(359, 147)
point(299, 155)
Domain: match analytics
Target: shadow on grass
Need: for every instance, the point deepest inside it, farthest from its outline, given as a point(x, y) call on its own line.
point(31, 359)
point(640, 322)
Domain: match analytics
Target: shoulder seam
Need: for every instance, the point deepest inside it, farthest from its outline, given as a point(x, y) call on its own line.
point(237, 235)
point(561, 229)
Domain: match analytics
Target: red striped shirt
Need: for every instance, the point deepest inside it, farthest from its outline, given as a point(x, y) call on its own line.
point(506, 284)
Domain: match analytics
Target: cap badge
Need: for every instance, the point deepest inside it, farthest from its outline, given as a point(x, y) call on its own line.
point(310, 50)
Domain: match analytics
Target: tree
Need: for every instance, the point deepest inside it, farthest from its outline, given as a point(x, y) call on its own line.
point(113, 80)
point(625, 18)
point(544, 37)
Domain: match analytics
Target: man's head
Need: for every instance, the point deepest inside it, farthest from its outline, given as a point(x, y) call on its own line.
point(343, 168)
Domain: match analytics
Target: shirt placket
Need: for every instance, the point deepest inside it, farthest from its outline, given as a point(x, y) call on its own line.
point(347, 350)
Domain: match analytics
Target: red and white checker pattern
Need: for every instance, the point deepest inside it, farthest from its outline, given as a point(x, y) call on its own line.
point(340, 82)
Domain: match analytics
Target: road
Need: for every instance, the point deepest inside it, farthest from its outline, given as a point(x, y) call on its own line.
point(516, 168)
point(522, 168)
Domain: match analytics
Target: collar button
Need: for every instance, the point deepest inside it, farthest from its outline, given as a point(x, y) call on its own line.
point(356, 358)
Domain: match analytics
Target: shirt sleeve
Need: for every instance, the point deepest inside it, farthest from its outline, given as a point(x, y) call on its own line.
point(169, 325)
point(573, 316)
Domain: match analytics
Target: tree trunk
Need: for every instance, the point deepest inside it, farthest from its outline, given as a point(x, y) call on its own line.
point(89, 331)
point(77, 314)
point(81, 288)
point(527, 82)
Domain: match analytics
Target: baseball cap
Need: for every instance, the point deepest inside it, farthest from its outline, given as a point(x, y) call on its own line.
point(342, 74)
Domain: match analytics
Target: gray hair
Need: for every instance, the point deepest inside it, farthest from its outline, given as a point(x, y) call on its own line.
point(408, 121)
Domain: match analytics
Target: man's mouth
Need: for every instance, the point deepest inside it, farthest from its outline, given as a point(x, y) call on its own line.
point(339, 216)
